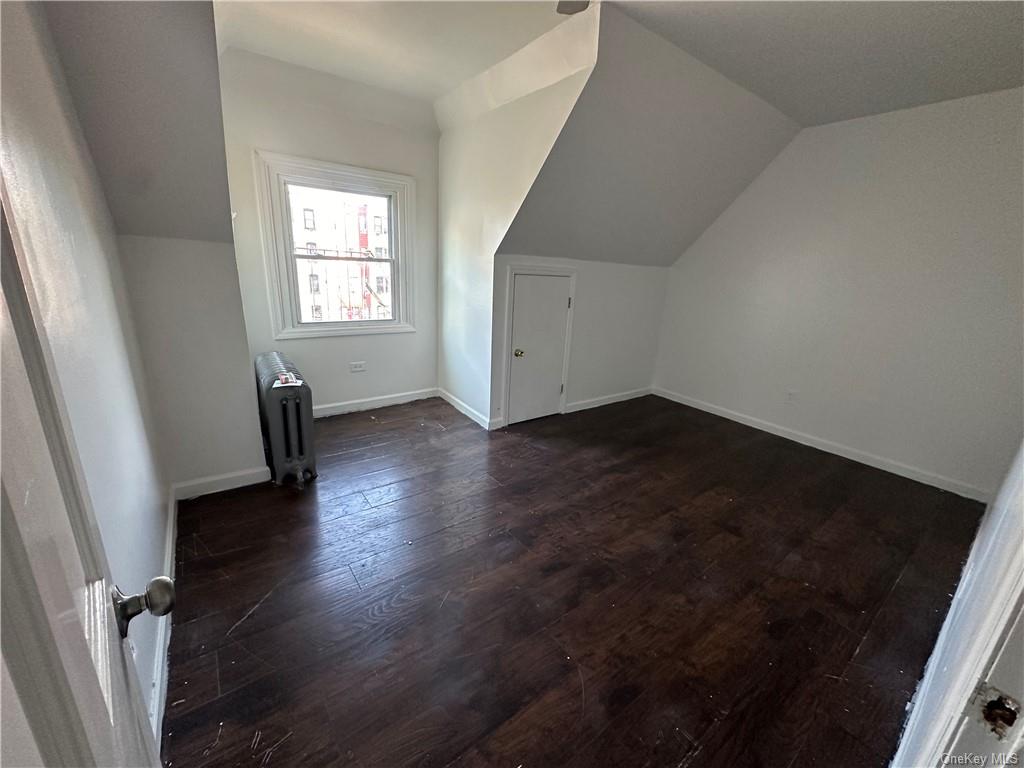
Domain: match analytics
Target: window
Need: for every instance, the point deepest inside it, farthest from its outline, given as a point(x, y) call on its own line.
point(367, 272)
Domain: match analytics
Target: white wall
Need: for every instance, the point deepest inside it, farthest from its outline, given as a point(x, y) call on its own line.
point(498, 130)
point(873, 270)
point(284, 108)
point(487, 167)
point(59, 211)
point(616, 318)
point(188, 318)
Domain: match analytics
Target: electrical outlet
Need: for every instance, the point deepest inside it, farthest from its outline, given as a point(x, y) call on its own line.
point(358, 366)
point(791, 395)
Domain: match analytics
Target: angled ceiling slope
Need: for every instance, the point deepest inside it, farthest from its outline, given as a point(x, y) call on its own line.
point(820, 62)
point(145, 84)
point(657, 146)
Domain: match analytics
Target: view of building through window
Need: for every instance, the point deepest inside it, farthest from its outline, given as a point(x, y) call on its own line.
point(345, 267)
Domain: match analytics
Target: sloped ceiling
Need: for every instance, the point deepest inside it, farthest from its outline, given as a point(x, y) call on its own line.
point(820, 62)
point(657, 146)
point(144, 80)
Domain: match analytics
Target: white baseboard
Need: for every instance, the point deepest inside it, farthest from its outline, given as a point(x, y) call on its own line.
point(158, 691)
point(597, 402)
point(470, 411)
point(202, 485)
point(369, 403)
point(879, 462)
point(582, 405)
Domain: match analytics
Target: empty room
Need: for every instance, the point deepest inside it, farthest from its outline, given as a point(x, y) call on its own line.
point(512, 384)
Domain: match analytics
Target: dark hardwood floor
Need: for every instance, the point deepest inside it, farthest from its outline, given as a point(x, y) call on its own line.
point(641, 584)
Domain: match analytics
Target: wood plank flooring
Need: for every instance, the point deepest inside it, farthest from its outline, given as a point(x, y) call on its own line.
point(642, 584)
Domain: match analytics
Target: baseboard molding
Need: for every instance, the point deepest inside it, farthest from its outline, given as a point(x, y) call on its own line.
point(593, 402)
point(597, 402)
point(468, 410)
point(879, 462)
point(369, 403)
point(158, 691)
point(202, 485)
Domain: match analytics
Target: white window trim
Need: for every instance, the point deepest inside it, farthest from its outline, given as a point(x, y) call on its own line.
point(273, 171)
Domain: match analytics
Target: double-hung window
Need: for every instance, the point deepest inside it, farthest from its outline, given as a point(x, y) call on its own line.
point(355, 278)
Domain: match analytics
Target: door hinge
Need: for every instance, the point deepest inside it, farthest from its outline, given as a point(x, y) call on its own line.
point(561, 389)
point(570, 302)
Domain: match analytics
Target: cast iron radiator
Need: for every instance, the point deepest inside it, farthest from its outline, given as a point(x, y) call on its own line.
point(286, 418)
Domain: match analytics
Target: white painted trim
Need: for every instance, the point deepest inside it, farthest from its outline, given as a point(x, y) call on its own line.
point(468, 410)
point(272, 172)
point(982, 608)
point(369, 403)
point(879, 462)
point(158, 693)
point(319, 330)
point(506, 368)
point(597, 402)
point(189, 489)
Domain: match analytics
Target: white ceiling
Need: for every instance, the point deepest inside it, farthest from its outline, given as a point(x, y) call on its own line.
point(820, 62)
point(144, 75)
point(421, 49)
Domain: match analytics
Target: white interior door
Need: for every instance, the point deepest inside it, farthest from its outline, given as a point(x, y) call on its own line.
point(62, 651)
point(540, 313)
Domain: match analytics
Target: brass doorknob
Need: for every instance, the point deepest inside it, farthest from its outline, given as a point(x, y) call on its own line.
point(519, 353)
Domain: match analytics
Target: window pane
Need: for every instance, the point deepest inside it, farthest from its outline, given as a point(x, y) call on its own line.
point(328, 222)
point(345, 290)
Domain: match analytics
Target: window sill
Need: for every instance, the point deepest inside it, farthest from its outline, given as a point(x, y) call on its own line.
point(335, 330)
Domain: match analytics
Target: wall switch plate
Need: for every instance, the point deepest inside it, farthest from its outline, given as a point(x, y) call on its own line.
point(358, 366)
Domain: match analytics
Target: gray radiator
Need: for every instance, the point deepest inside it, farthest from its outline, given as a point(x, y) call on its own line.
point(286, 418)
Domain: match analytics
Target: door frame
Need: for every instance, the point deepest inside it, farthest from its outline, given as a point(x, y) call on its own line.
point(981, 613)
point(37, 669)
point(510, 286)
